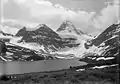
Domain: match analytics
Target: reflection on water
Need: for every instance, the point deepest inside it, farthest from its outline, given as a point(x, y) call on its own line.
point(38, 66)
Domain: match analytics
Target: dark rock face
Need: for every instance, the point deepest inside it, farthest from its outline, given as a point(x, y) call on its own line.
point(107, 34)
point(3, 48)
point(21, 32)
point(111, 38)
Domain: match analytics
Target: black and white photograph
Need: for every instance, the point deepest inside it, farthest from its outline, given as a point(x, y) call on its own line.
point(59, 41)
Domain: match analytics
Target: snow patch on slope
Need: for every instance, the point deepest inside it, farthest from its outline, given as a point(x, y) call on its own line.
point(104, 66)
point(32, 46)
point(103, 58)
point(77, 51)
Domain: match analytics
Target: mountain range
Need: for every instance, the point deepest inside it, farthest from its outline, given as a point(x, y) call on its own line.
point(65, 42)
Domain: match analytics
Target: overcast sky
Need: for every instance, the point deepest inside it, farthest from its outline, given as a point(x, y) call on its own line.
point(91, 16)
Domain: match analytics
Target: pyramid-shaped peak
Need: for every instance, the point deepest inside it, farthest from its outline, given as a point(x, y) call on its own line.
point(24, 28)
point(66, 25)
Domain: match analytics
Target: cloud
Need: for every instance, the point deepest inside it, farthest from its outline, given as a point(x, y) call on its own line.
point(41, 11)
point(32, 12)
point(108, 16)
point(47, 10)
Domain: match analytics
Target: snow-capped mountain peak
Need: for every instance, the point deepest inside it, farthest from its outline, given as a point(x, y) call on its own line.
point(68, 27)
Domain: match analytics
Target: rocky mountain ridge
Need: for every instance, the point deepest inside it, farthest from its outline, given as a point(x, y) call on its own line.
point(107, 43)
